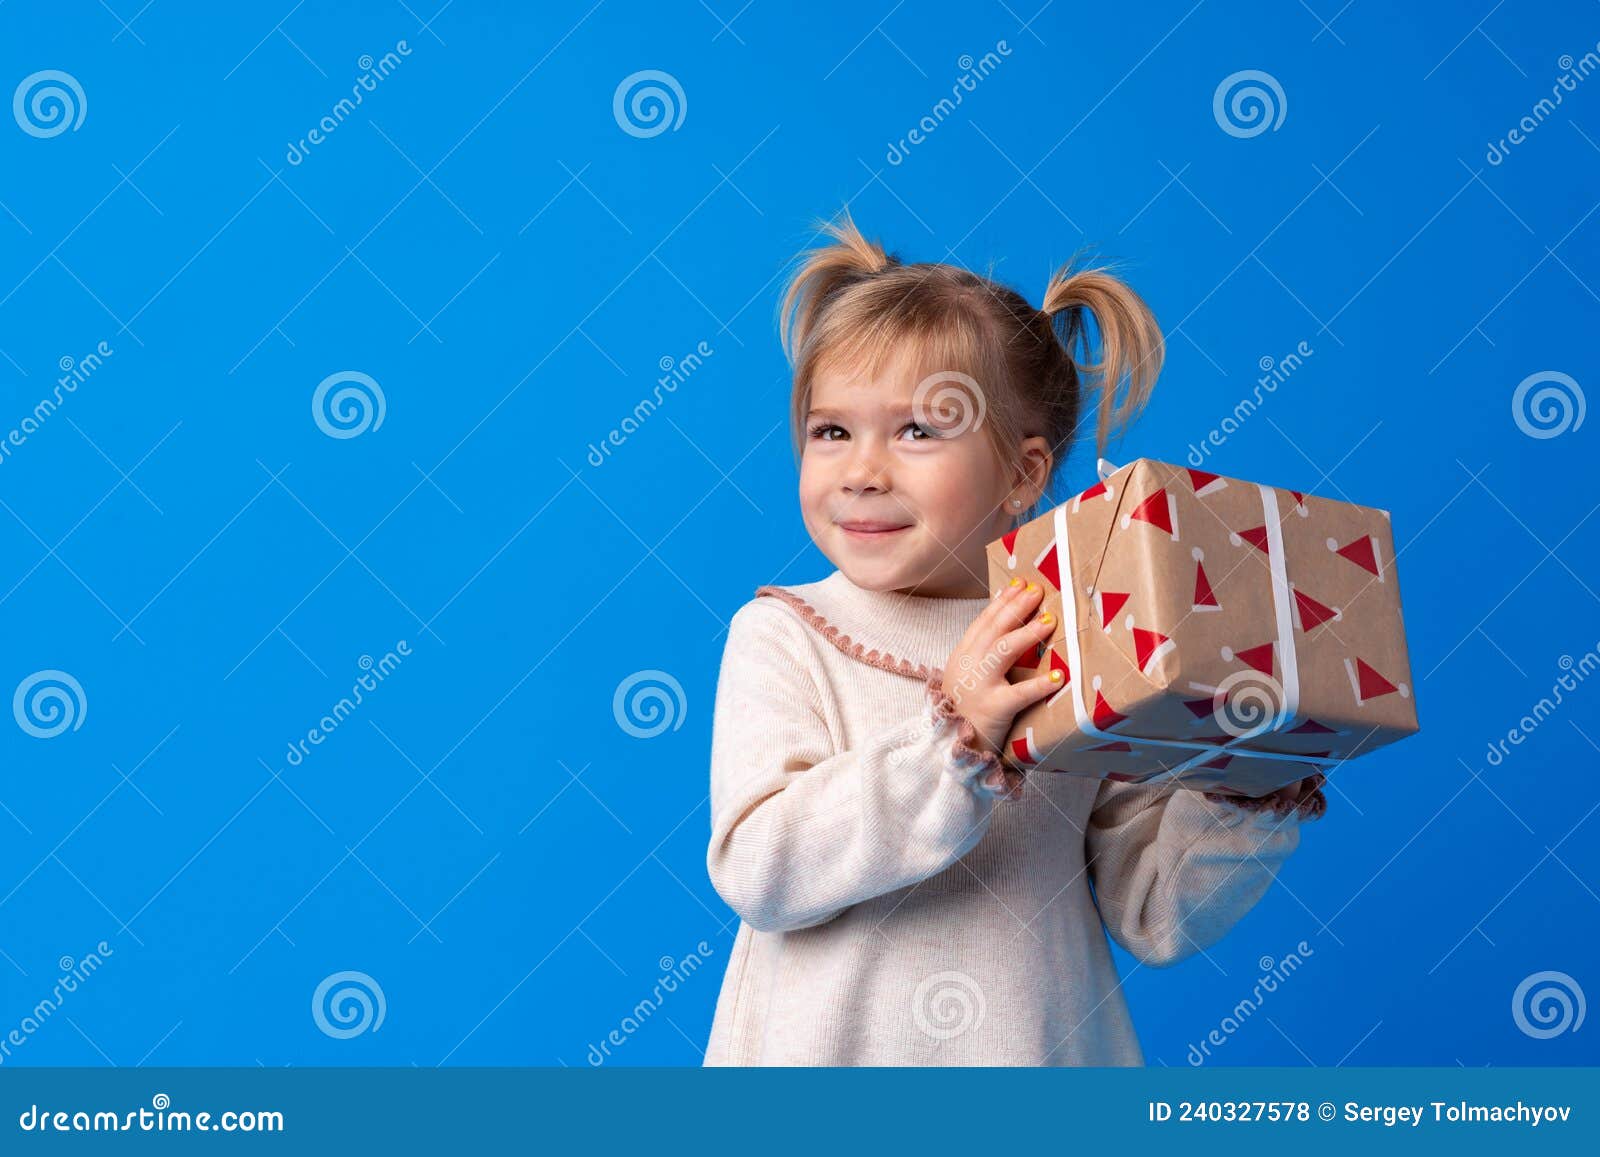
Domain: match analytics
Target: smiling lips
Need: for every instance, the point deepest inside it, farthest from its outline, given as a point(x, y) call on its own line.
point(872, 530)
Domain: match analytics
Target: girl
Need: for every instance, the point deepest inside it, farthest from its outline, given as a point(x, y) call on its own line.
point(903, 900)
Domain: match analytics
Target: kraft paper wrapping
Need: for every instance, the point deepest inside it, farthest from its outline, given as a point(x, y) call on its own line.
point(1216, 633)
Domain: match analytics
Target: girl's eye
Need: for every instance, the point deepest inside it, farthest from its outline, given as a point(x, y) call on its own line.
point(824, 432)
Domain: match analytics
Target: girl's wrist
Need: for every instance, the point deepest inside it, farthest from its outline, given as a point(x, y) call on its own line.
point(1310, 806)
point(971, 748)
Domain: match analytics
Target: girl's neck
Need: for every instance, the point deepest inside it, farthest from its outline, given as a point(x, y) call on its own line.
point(969, 590)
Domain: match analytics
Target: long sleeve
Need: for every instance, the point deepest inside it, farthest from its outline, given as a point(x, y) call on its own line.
point(800, 831)
point(1173, 871)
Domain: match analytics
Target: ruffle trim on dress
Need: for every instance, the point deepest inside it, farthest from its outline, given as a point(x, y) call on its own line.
point(1309, 808)
point(827, 630)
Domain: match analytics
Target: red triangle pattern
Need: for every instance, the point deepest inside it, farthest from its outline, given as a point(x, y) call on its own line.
point(1258, 657)
point(1046, 566)
point(1145, 644)
point(1104, 717)
point(1256, 536)
point(1312, 613)
point(1371, 683)
point(1155, 510)
point(1094, 491)
point(1032, 656)
point(1361, 552)
point(1110, 602)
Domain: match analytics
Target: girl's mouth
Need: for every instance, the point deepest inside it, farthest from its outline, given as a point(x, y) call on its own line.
point(872, 531)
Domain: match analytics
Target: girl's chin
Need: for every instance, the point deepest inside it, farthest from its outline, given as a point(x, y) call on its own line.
point(883, 575)
point(874, 575)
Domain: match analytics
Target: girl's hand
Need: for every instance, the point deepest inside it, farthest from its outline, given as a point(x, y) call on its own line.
point(975, 675)
point(1296, 796)
point(1296, 793)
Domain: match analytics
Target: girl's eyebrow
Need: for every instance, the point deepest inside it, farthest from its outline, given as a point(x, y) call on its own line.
point(891, 411)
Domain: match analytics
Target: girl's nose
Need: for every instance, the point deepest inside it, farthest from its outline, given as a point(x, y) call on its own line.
point(867, 470)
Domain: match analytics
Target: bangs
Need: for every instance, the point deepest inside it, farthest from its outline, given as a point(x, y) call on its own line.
point(911, 343)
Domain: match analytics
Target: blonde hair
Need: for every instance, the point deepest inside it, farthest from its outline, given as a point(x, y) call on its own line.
point(851, 304)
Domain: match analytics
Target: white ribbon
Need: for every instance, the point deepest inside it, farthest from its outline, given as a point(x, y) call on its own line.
point(1204, 752)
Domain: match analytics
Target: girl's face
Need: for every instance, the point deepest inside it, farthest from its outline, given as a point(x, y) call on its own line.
point(900, 492)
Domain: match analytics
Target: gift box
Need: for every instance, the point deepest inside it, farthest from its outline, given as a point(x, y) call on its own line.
point(1219, 634)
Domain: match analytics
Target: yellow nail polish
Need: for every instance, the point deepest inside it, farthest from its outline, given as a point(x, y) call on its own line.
point(1047, 618)
point(1016, 582)
point(1055, 676)
point(1031, 588)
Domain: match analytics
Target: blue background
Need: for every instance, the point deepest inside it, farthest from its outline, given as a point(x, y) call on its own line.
point(483, 238)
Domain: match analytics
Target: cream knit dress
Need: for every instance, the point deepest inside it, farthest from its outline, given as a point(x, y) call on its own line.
point(894, 912)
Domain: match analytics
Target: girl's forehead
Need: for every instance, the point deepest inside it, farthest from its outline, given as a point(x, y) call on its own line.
point(861, 394)
point(856, 387)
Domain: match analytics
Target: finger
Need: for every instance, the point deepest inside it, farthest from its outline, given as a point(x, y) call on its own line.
point(998, 616)
point(1007, 588)
point(1013, 644)
point(1029, 691)
point(981, 626)
point(1013, 588)
point(1014, 611)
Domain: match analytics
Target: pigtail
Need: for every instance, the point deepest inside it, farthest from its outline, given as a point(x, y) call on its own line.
point(823, 273)
point(1131, 346)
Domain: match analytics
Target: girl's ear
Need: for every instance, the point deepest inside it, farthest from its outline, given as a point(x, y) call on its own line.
point(1034, 460)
